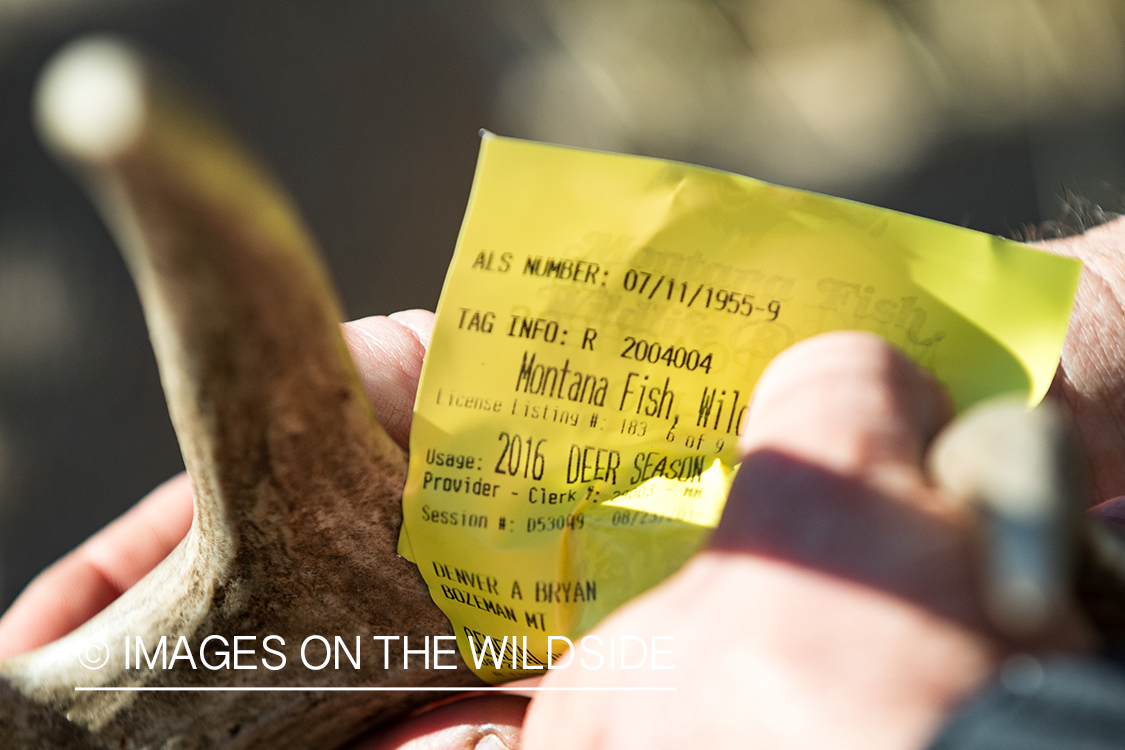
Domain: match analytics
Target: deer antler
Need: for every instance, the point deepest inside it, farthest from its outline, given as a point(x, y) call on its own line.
point(297, 487)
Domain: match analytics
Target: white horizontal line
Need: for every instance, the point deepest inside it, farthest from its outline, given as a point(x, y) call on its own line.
point(364, 689)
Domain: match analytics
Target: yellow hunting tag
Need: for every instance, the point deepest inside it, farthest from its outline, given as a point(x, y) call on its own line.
point(603, 322)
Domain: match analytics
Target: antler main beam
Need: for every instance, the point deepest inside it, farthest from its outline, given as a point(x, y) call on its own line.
point(297, 488)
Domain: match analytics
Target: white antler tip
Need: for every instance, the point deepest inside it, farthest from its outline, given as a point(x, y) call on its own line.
point(90, 102)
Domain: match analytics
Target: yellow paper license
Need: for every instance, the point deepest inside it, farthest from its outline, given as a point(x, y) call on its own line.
point(603, 322)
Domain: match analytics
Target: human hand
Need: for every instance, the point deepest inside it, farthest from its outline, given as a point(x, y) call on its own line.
point(1090, 382)
point(388, 353)
point(821, 665)
point(837, 604)
point(847, 622)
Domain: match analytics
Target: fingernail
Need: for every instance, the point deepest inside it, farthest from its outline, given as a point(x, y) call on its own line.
point(491, 742)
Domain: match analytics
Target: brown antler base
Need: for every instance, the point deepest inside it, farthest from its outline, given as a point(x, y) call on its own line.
point(297, 487)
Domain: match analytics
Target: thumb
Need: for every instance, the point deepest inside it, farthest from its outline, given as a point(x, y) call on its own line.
point(849, 402)
point(832, 476)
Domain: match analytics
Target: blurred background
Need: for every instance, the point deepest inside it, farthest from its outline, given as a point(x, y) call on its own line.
point(994, 114)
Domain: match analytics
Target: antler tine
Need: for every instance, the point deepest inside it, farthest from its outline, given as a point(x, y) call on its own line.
point(297, 487)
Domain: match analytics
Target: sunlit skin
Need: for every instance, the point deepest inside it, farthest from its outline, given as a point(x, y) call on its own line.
point(836, 604)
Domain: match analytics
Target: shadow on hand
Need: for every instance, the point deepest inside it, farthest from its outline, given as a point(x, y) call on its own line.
point(905, 544)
